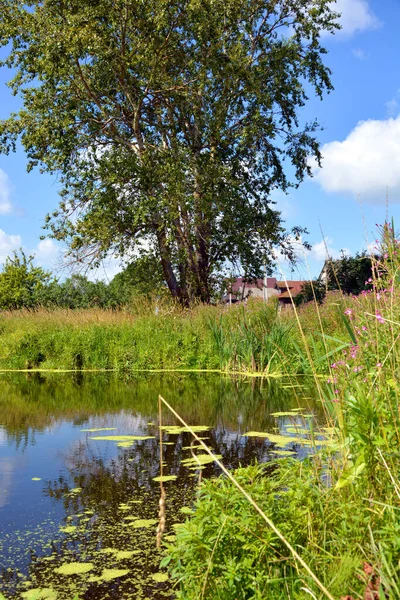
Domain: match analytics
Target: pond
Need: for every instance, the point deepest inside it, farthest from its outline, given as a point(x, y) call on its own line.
point(79, 498)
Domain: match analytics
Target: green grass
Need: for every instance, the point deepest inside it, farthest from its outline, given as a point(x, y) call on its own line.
point(340, 509)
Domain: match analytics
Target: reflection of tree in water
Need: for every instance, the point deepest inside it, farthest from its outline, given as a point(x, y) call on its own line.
point(99, 495)
point(33, 402)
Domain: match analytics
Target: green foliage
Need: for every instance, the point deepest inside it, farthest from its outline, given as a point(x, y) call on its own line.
point(225, 551)
point(77, 292)
point(21, 283)
point(351, 274)
point(142, 277)
point(169, 124)
point(310, 292)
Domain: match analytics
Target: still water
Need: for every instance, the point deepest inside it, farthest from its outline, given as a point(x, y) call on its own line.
point(78, 514)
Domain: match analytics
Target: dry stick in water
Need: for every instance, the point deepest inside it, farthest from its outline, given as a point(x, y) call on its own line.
point(163, 494)
point(252, 502)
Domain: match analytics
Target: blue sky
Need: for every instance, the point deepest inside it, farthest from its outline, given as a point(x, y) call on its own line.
point(360, 143)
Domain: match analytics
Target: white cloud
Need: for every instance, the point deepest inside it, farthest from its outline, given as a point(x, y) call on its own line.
point(392, 107)
point(46, 251)
point(360, 53)
point(356, 16)
point(324, 249)
point(107, 271)
point(5, 193)
point(8, 243)
point(365, 163)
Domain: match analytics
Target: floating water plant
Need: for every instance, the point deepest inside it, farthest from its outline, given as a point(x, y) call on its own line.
point(39, 594)
point(144, 523)
point(99, 429)
point(121, 438)
point(109, 574)
point(74, 568)
point(176, 429)
point(165, 478)
point(279, 440)
point(68, 529)
point(200, 460)
point(159, 577)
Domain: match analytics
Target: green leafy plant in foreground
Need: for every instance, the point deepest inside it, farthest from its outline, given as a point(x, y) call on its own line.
point(225, 551)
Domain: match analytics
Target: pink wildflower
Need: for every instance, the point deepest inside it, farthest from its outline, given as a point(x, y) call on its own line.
point(379, 317)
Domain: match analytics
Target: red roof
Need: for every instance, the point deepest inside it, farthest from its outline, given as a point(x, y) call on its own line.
point(294, 287)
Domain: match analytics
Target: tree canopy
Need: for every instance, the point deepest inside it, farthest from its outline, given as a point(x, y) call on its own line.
point(350, 273)
point(169, 123)
point(21, 283)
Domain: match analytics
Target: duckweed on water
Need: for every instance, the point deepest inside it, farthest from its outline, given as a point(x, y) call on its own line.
point(39, 594)
point(74, 568)
point(159, 577)
point(68, 529)
point(108, 575)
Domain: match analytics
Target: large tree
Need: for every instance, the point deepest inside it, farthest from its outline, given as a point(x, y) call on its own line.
point(170, 123)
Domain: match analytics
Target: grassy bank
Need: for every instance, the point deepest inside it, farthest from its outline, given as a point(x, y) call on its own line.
point(256, 337)
point(339, 510)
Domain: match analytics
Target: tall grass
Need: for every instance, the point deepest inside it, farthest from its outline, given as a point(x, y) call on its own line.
point(256, 338)
point(339, 509)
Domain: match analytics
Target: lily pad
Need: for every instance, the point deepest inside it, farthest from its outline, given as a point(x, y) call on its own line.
point(293, 429)
point(99, 429)
point(176, 429)
point(40, 594)
point(200, 460)
point(165, 478)
point(109, 574)
point(144, 523)
point(121, 438)
point(279, 440)
point(159, 577)
point(74, 568)
point(125, 554)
